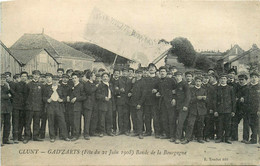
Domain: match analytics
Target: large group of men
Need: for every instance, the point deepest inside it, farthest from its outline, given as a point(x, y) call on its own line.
point(164, 103)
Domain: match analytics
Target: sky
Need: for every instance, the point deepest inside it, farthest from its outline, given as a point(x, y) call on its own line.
point(209, 25)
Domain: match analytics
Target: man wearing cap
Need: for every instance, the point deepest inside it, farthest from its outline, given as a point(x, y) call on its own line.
point(226, 103)
point(254, 106)
point(76, 97)
point(182, 95)
point(34, 105)
point(136, 99)
point(197, 111)
point(189, 79)
point(121, 94)
point(90, 89)
point(69, 73)
point(18, 115)
point(54, 97)
point(42, 79)
point(104, 96)
point(6, 109)
point(68, 112)
point(17, 78)
point(242, 90)
point(60, 71)
point(151, 110)
point(211, 122)
point(167, 104)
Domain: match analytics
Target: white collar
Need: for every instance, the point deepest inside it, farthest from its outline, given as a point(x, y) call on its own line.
point(106, 83)
point(254, 84)
point(223, 85)
point(76, 84)
point(197, 87)
point(49, 83)
point(152, 75)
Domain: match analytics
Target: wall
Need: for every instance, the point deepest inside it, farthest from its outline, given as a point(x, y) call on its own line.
point(8, 63)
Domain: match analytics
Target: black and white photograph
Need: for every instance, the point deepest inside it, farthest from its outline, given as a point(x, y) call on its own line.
point(130, 82)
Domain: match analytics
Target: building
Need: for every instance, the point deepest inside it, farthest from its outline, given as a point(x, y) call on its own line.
point(66, 56)
point(35, 59)
point(8, 61)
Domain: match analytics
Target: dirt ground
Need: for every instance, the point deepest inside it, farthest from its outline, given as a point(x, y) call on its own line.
point(125, 150)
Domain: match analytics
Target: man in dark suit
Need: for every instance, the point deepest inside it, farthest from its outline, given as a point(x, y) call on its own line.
point(254, 106)
point(18, 115)
point(197, 111)
point(54, 97)
point(136, 99)
point(6, 109)
point(76, 97)
point(90, 88)
point(182, 95)
point(34, 106)
point(167, 103)
point(104, 95)
point(226, 103)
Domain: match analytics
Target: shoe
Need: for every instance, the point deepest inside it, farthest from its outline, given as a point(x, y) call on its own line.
point(147, 134)
point(164, 136)
point(141, 136)
point(110, 134)
point(96, 135)
point(134, 134)
point(42, 136)
point(52, 140)
point(37, 139)
point(119, 133)
point(218, 141)
point(25, 141)
point(177, 141)
point(101, 135)
point(16, 141)
point(127, 133)
point(66, 139)
point(157, 136)
point(234, 139)
point(87, 137)
point(172, 140)
point(200, 141)
point(8, 142)
point(207, 140)
point(228, 141)
point(251, 142)
point(185, 142)
point(244, 141)
point(20, 139)
point(74, 139)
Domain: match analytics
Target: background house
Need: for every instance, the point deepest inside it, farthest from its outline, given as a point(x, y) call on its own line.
point(66, 56)
point(8, 61)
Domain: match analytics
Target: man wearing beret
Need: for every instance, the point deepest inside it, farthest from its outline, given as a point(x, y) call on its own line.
point(34, 106)
point(197, 111)
point(54, 97)
point(76, 97)
point(242, 90)
point(167, 103)
point(226, 103)
point(254, 106)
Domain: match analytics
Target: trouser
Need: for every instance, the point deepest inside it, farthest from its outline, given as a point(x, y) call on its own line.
point(211, 123)
point(114, 119)
point(169, 120)
point(151, 112)
point(182, 116)
point(76, 124)
point(69, 119)
point(123, 118)
point(6, 123)
point(95, 122)
point(253, 123)
point(18, 120)
point(259, 129)
point(55, 114)
point(193, 120)
point(87, 119)
point(234, 126)
point(43, 120)
point(137, 119)
point(224, 126)
point(35, 117)
point(106, 119)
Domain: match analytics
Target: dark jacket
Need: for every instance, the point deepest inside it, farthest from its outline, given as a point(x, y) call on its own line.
point(34, 100)
point(138, 95)
point(79, 93)
point(254, 98)
point(122, 96)
point(165, 87)
point(212, 97)
point(19, 95)
point(90, 89)
point(101, 94)
point(6, 105)
point(198, 107)
point(150, 84)
point(226, 101)
point(182, 95)
point(242, 91)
